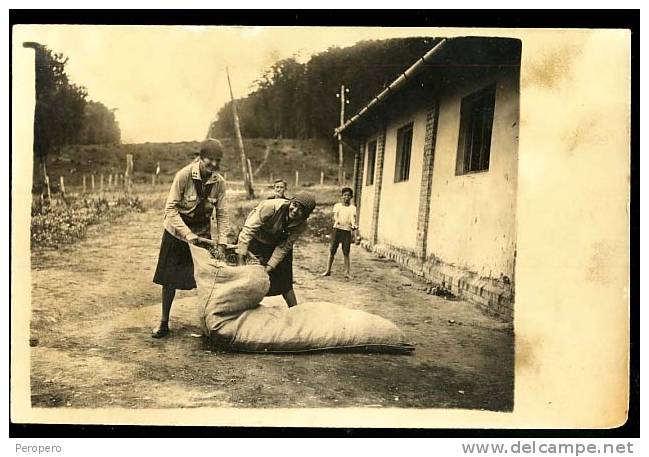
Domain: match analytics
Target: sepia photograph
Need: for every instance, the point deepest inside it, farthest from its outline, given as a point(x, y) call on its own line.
point(340, 226)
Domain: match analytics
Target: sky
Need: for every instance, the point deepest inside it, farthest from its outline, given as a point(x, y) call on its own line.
point(168, 82)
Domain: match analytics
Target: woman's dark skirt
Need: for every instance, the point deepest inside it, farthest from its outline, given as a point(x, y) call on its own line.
point(175, 266)
point(281, 278)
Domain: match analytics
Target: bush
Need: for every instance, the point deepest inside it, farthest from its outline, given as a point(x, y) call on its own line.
point(130, 202)
point(53, 226)
point(321, 223)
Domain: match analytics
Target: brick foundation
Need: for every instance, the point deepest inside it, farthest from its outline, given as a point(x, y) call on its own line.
point(494, 296)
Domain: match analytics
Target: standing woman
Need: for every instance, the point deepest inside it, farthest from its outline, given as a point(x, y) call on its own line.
point(196, 199)
point(269, 233)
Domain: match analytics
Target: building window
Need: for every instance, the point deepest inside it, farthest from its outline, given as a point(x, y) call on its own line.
point(404, 147)
point(476, 124)
point(371, 160)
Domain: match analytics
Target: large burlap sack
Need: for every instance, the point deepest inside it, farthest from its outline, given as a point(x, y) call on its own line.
point(224, 292)
point(232, 318)
point(308, 327)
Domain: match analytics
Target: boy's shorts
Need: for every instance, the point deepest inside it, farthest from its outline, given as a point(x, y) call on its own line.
point(343, 237)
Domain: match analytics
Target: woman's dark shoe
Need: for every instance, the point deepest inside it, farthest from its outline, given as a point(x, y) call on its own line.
point(161, 331)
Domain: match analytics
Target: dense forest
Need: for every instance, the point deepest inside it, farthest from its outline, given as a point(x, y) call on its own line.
point(298, 100)
point(63, 114)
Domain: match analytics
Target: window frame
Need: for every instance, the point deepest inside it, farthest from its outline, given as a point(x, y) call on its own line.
point(402, 167)
point(371, 160)
point(470, 121)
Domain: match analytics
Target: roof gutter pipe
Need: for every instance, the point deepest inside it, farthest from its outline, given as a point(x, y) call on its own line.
point(395, 85)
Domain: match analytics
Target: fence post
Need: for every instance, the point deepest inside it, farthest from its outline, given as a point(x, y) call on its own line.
point(128, 175)
point(84, 184)
point(297, 178)
point(101, 182)
point(344, 177)
point(49, 191)
point(62, 189)
point(92, 183)
point(152, 179)
point(322, 178)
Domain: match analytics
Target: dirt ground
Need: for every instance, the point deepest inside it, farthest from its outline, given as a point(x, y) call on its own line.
point(94, 306)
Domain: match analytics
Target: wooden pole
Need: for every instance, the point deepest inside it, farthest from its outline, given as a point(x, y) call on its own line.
point(110, 180)
point(92, 183)
point(344, 178)
point(340, 137)
point(101, 182)
point(252, 179)
point(322, 178)
point(153, 180)
point(245, 169)
point(84, 184)
point(297, 178)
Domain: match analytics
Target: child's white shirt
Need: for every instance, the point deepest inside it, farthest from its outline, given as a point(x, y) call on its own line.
point(344, 216)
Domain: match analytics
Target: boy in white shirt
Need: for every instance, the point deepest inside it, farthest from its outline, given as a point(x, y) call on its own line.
point(344, 225)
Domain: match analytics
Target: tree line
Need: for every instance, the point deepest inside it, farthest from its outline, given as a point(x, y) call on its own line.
point(63, 113)
point(298, 100)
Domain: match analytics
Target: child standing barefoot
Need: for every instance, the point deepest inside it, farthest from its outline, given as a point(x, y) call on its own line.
point(344, 224)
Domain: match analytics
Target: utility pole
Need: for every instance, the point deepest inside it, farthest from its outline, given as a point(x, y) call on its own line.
point(343, 102)
point(245, 169)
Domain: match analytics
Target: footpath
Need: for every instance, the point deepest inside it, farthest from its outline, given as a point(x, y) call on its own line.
point(94, 305)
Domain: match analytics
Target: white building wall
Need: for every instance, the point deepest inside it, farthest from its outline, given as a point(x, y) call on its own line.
point(400, 200)
point(367, 198)
point(472, 216)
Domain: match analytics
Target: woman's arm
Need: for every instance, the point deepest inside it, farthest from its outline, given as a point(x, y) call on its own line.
point(254, 223)
point(282, 249)
point(173, 222)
